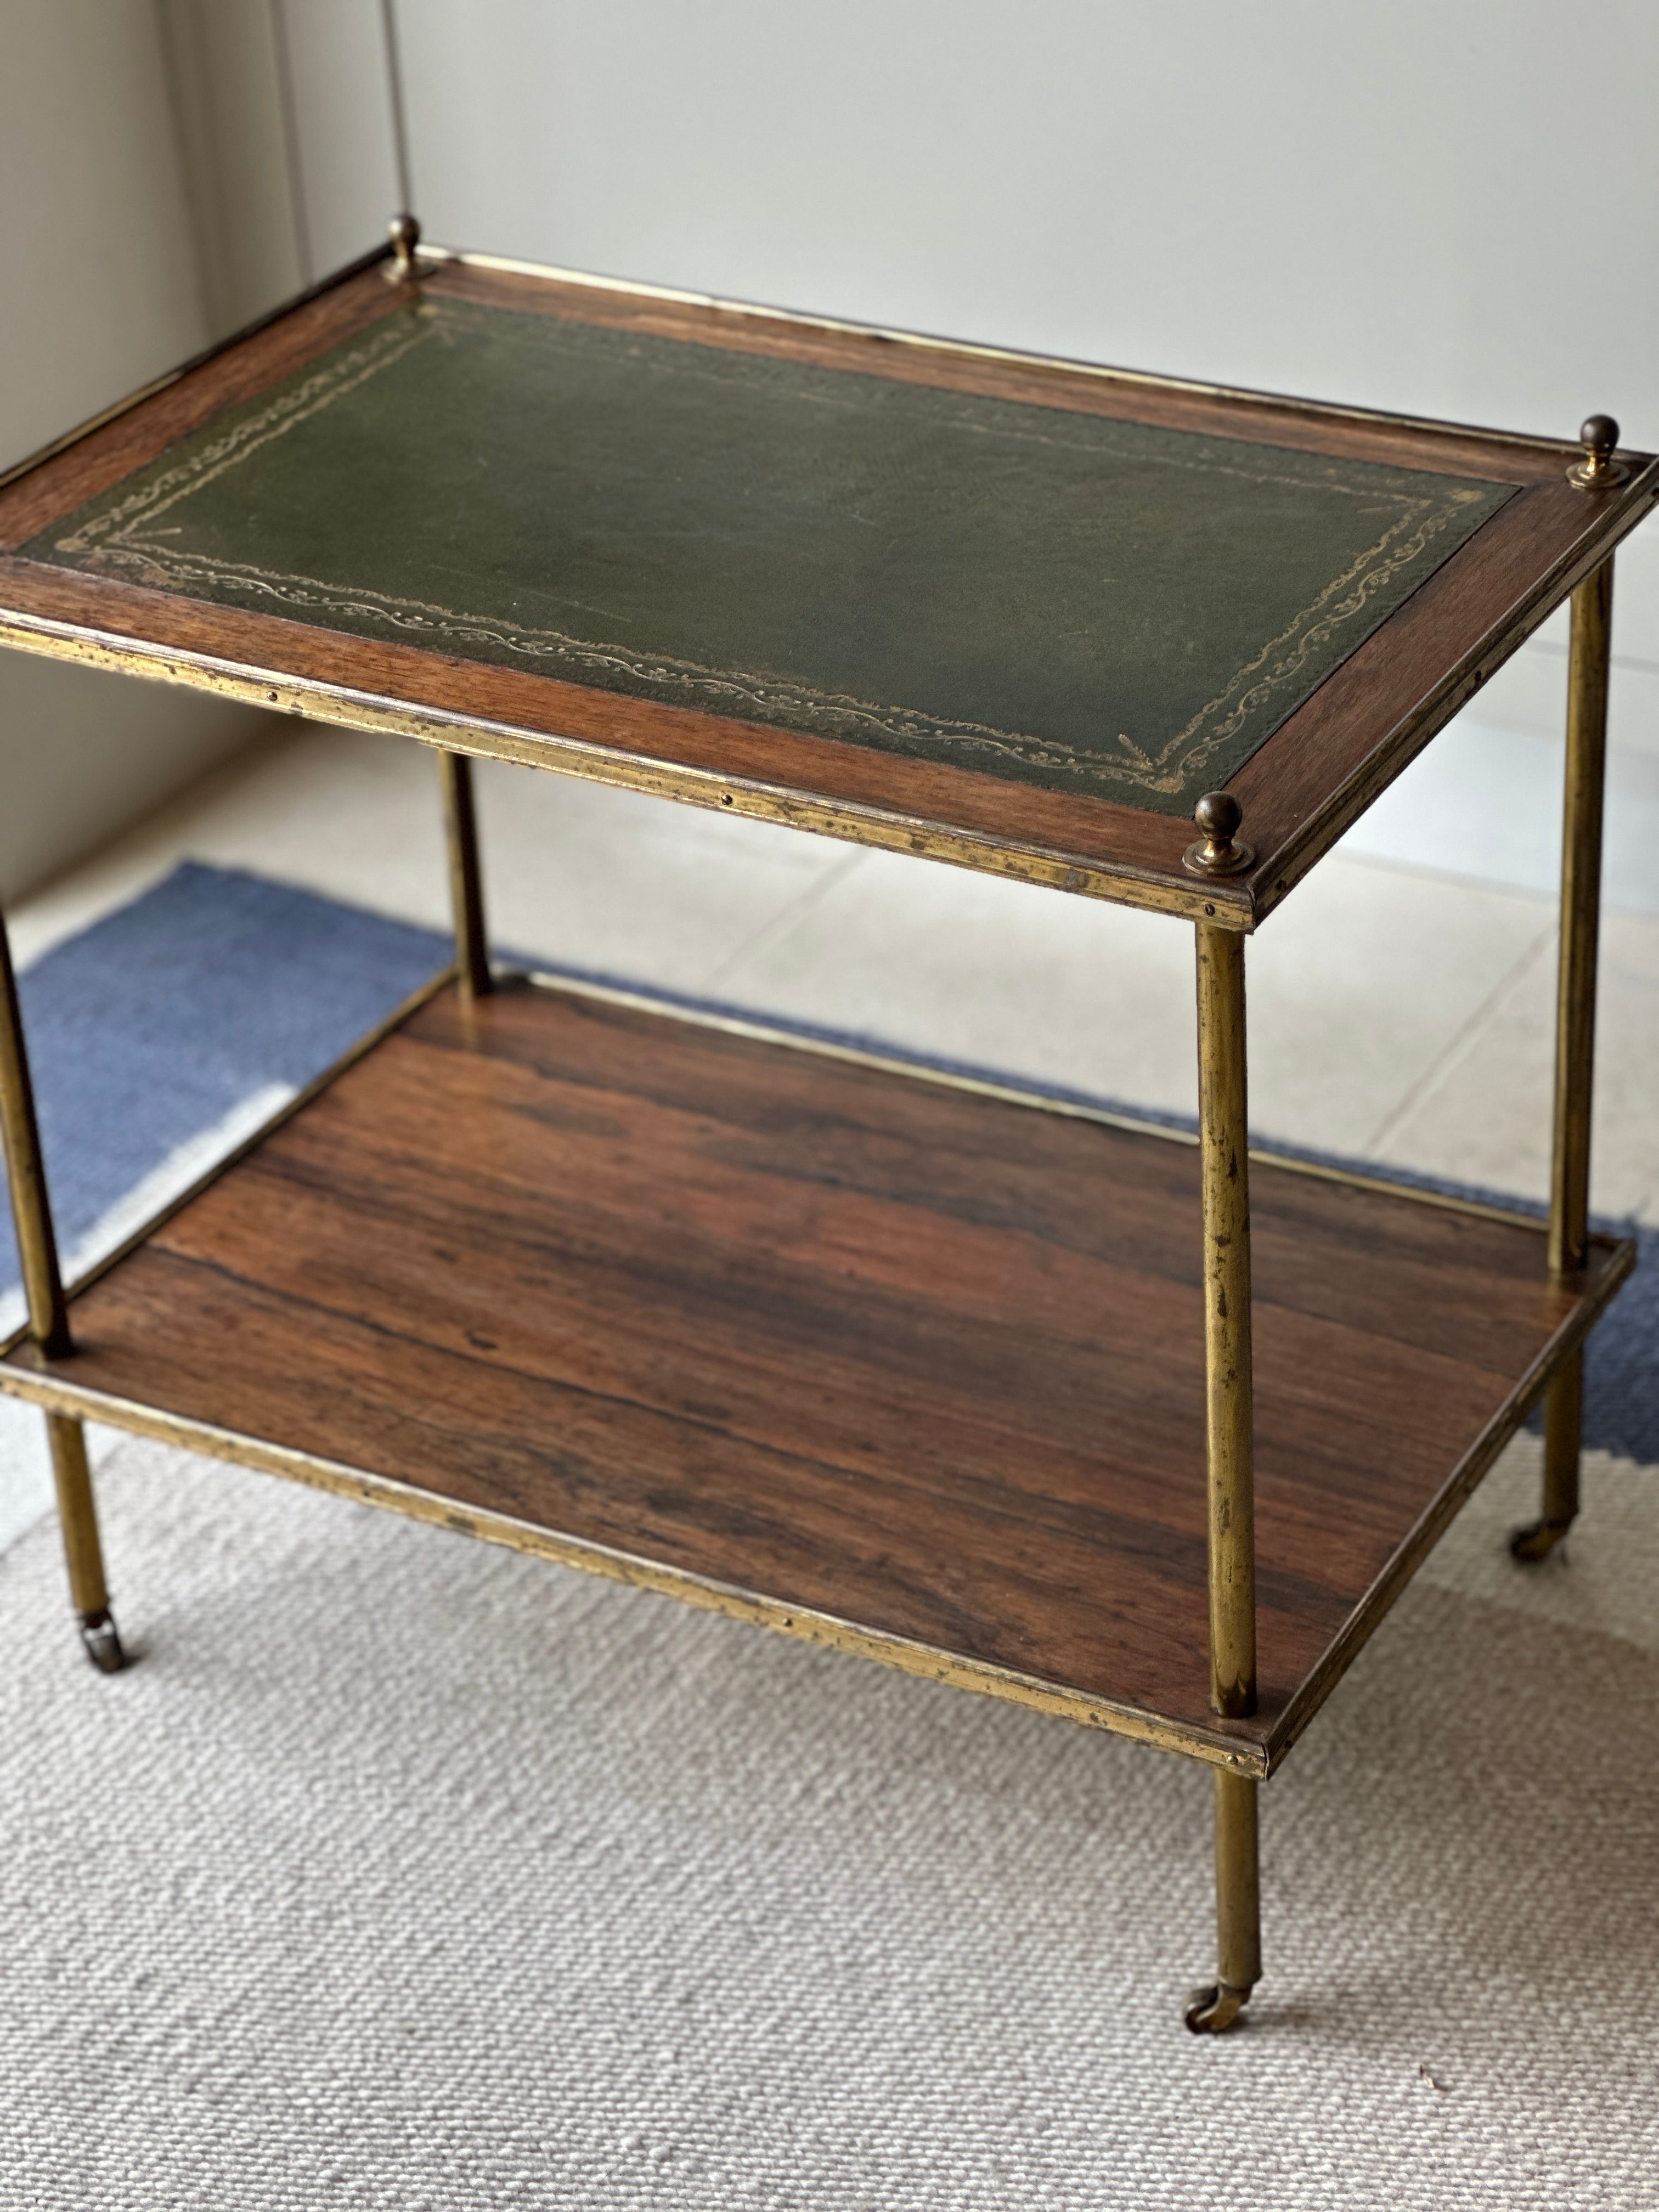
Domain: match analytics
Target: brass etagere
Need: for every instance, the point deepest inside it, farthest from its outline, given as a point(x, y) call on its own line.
point(1220, 882)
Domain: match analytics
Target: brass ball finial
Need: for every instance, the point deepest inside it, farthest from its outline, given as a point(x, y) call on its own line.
point(1219, 851)
point(1599, 435)
point(405, 237)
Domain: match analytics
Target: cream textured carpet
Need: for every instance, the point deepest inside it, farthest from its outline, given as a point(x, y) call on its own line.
point(405, 1873)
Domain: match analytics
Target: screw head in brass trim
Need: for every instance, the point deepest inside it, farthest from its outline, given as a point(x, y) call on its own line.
point(1219, 851)
point(1599, 435)
point(402, 267)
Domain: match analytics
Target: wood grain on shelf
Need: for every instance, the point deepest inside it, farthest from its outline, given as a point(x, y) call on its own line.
point(923, 1362)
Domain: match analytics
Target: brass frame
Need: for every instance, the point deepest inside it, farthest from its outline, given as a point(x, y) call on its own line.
point(929, 342)
point(1221, 922)
point(48, 1323)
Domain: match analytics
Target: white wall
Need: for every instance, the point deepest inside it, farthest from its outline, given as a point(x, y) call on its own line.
point(104, 291)
point(1389, 205)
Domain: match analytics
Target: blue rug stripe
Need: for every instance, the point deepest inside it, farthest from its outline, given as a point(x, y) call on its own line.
point(153, 1025)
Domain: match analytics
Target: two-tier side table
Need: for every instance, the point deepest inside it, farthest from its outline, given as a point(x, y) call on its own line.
point(1145, 1429)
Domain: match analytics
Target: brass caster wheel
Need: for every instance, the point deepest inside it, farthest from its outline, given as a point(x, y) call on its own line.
point(101, 1641)
point(1212, 2011)
point(1537, 1540)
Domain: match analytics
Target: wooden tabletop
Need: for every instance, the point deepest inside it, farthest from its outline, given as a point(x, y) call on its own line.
point(1011, 613)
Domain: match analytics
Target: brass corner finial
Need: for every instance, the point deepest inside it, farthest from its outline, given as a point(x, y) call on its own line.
point(1219, 851)
point(1598, 469)
point(402, 267)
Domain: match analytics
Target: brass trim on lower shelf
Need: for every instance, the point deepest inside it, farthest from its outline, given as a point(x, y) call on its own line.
point(60, 1394)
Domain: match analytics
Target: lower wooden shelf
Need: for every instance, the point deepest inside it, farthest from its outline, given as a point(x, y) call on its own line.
point(868, 1358)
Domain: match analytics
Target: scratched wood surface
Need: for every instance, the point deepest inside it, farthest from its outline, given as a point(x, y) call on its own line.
point(925, 1362)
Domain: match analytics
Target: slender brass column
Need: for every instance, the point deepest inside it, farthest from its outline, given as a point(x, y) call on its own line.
point(466, 883)
point(1574, 1032)
point(83, 1552)
point(1224, 1145)
point(31, 1210)
point(43, 1285)
point(1238, 1888)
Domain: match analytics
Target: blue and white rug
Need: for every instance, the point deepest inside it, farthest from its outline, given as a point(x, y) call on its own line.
point(161, 1036)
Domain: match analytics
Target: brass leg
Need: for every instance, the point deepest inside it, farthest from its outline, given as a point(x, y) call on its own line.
point(1224, 1144)
point(466, 885)
point(31, 1209)
point(43, 1284)
point(1237, 1909)
point(88, 1592)
point(1574, 1033)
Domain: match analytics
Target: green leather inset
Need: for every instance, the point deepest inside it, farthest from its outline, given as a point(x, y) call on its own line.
point(1041, 595)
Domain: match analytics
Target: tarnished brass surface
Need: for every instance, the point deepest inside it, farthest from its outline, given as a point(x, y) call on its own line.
point(1564, 1407)
point(1563, 1414)
point(1224, 1145)
point(1237, 1883)
point(82, 1552)
point(405, 233)
point(466, 882)
point(1598, 470)
point(1219, 851)
point(1213, 2009)
point(31, 1209)
point(1581, 907)
point(1575, 1018)
point(62, 1393)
